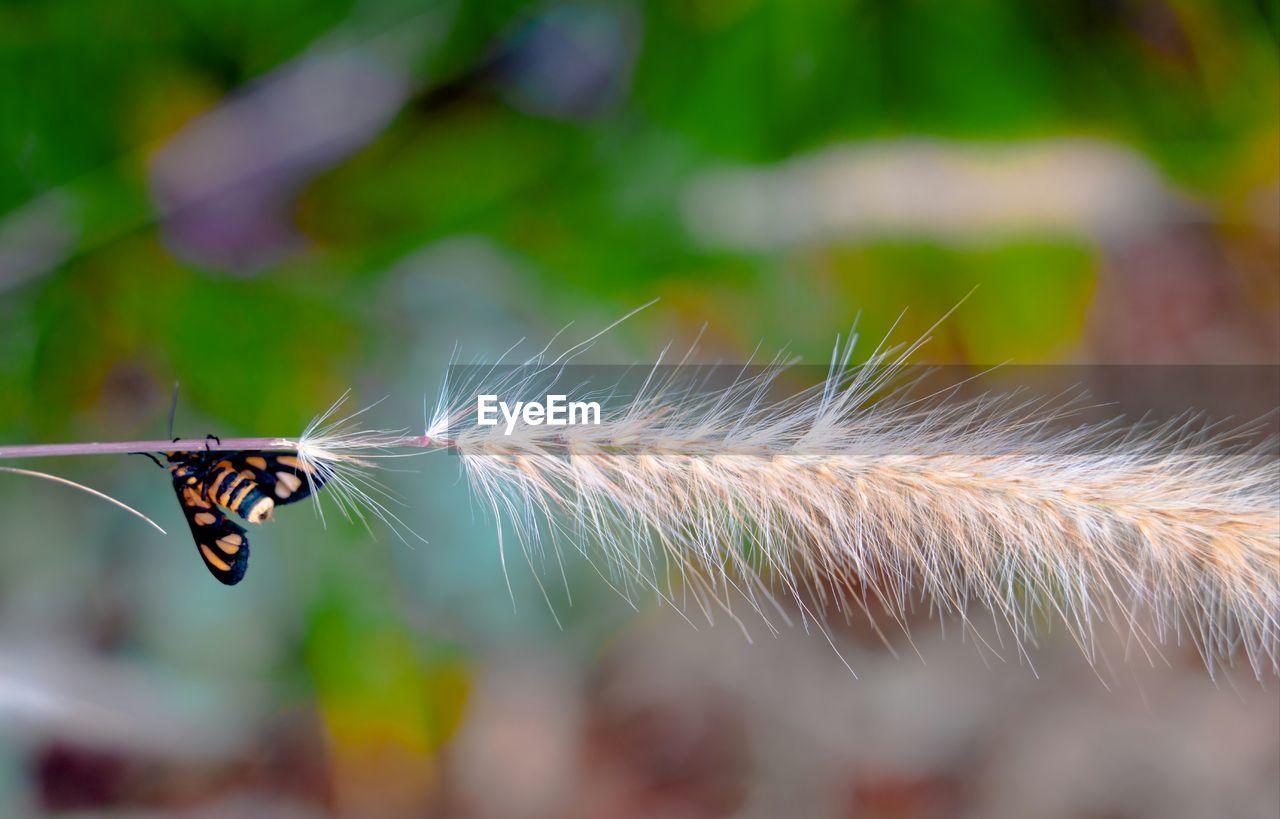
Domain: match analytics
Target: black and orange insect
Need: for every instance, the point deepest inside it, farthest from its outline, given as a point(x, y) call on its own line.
point(249, 483)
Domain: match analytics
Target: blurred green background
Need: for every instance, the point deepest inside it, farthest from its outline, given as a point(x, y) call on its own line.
point(274, 201)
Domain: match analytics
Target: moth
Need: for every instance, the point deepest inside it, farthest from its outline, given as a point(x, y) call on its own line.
point(249, 483)
point(212, 485)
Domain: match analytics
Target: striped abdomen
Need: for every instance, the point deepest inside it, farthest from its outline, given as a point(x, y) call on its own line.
point(238, 492)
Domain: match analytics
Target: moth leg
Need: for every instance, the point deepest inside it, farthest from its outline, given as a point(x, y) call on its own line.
point(210, 462)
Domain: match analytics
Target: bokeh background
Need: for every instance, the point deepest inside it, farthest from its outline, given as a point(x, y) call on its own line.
point(273, 201)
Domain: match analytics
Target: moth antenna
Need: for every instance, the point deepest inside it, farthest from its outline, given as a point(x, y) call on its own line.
point(173, 408)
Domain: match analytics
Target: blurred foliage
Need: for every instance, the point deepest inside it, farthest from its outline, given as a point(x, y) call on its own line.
point(548, 148)
point(89, 88)
point(587, 201)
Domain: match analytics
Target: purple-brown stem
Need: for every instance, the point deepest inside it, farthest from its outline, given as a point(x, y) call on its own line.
point(185, 445)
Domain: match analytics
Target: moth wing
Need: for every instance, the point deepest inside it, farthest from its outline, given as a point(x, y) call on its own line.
point(222, 544)
point(283, 476)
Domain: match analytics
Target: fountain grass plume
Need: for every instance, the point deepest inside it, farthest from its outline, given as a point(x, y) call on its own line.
point(855, 496)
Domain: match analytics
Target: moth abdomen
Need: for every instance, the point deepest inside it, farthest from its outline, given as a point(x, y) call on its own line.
point(239, 492)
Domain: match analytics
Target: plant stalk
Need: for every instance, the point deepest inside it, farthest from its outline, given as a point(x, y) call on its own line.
point(186, 445)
